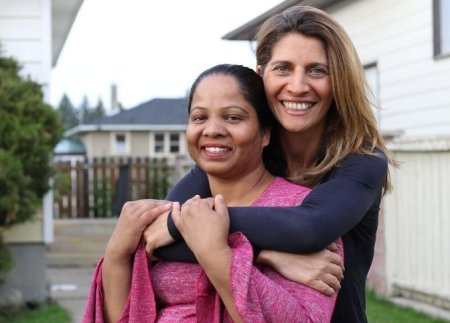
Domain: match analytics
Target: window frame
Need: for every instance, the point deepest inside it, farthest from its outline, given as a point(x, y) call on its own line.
point(373, 82)
point(437, 32)
point(163, 143)
point(171, 142)
point(127, 146)
point(168, 143)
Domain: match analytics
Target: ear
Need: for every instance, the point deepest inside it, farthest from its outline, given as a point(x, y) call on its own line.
point(259, 70)
point(266, 137)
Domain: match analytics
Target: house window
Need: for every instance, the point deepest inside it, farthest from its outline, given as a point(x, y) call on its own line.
point(174, 142)
point(159, 142)
point(441, 27)
point(120, 143)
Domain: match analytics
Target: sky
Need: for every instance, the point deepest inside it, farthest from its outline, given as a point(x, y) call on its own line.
point(148, 48)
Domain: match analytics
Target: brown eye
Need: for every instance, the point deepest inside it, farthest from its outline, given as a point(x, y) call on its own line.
point(197, 118)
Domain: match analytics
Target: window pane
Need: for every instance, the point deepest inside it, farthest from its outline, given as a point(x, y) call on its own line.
point(174, 142)
point(444, 19)
point(372, 79)
point(159, 142)
point(121, 142)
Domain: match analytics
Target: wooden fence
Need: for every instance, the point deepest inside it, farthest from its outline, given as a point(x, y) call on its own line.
point(98, 187)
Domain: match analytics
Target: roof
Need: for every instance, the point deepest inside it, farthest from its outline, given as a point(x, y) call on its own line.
point(69, 146)
point(156, 114)
point(156, 111)
point(249, 29)
point(64, 13)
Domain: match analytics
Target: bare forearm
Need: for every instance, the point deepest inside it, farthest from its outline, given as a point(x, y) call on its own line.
point(116, 282)
point(217, 268)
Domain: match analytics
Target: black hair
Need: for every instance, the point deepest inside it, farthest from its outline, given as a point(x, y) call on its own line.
point(250, 84)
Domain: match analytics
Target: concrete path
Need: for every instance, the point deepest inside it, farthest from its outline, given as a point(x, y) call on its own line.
point(69, 287)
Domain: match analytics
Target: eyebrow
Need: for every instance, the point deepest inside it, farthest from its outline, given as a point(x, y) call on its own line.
point(222, 108)
point(290, 63)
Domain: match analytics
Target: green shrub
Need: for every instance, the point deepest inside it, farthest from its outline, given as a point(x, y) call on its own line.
point(29, 130)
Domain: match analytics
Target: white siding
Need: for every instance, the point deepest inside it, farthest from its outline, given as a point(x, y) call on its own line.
point(398, 36)
point(417, 226)
point(25, 34)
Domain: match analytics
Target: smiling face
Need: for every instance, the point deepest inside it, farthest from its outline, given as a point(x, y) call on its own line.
point(223, 134)
point(298, 85)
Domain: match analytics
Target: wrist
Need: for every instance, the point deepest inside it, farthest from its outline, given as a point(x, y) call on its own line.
point(211, 255)
point(265, 257)
point(112, 256)
point(173, 230)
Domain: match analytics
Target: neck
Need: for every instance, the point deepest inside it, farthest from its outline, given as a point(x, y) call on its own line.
point(241, 191)
point(301, 150)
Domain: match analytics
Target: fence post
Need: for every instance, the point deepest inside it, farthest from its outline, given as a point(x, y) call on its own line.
point(122, 188)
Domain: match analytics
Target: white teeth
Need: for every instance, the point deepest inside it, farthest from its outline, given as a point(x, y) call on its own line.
point(216, 150)
point(297, 106)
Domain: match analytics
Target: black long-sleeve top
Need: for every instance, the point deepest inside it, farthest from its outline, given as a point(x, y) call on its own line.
point(346, 204)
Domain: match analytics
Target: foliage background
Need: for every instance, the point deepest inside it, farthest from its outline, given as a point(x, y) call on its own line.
point(29, 130)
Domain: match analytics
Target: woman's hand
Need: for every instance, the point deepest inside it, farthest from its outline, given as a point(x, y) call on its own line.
point(157, 235)
point(133, 220)
point(204, 228)
point(322, 271)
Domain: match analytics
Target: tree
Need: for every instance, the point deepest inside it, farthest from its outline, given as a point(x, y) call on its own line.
point(67, 112)
point(87, 114)
point(29, 130)
point(98, 112)
point(84, 111)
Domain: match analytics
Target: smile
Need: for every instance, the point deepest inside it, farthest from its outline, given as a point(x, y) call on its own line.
point(217, 150)
point(297, 106)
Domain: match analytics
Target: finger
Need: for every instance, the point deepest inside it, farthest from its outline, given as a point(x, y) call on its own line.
point(336, 259)
point(149, 252)
point(332, 282)
point(150, 215)
point(220, 206)
point(333, 247)
point(336, 271)
point(155, 203)
point(210, 201)
point(323, 288)
point(176, 213)
point(190, 201)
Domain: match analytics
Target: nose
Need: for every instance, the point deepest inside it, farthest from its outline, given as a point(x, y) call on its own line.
point(298, 83)
point(214, 128)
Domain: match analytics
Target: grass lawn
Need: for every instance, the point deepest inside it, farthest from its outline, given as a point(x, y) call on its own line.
point(382, 311)
point(45, 313)
point(378, 311)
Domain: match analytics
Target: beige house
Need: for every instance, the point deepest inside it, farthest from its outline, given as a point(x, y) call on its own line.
point(405, 49)
point(153, 129)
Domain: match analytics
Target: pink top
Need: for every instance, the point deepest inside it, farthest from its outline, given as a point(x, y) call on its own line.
point(181, 292)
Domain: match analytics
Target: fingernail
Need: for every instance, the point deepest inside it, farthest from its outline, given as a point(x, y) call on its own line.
point(219, 196)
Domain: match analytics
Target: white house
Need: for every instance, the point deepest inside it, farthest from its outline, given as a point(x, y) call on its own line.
point(33, 32)
point(405, 48)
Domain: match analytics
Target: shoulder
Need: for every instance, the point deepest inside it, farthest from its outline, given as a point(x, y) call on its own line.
point(368, 169)
point(281, 192)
